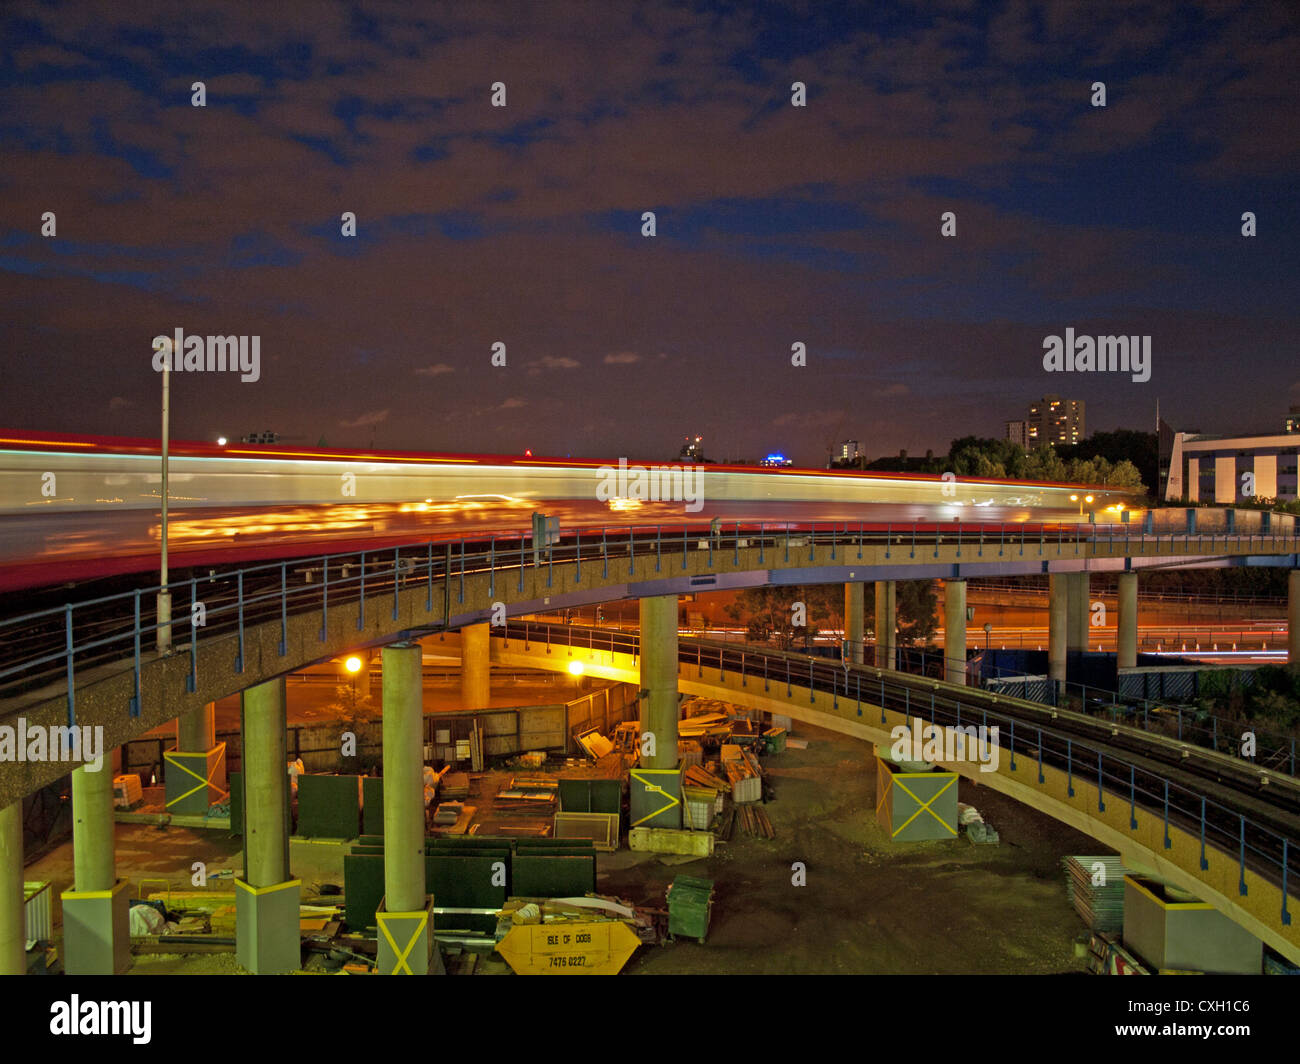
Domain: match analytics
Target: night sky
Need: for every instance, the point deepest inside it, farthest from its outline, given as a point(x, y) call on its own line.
point(522, 224)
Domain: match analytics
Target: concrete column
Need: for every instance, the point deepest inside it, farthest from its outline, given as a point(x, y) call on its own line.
point(197, 730)
point(267, 939)
point(659, 678)
point(1076, 631)
point(1128, 621)
point(13, 920)
point(1058, 596)
point(1293, 618)
point(404, 885)
point(92, 830)
point(96, 927)
point(266, 783)
point(197, 758)
point(954, 631)
point(475, 678)
point(854, 614)
point(886, 624)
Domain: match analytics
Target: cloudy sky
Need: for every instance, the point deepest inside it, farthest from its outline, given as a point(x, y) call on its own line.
point(522, 224)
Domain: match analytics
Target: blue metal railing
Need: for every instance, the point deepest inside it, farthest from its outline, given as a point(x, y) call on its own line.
point(113, 628)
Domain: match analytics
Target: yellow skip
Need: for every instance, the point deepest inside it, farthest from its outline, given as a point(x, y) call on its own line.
point(569, 948)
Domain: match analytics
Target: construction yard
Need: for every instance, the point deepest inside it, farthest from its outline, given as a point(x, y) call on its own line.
point(828, 893)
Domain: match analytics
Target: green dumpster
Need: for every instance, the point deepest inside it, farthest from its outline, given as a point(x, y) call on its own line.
point(690, 902)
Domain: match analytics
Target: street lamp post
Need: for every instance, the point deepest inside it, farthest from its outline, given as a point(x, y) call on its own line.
point(164, 635)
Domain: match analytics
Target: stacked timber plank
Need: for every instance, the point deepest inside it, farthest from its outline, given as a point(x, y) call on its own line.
point(1095, 886)
point(753, 818)
point(743, 774)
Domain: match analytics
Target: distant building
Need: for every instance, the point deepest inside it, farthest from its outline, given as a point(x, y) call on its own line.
point(693, 449)
point(1017, 432)
point(849, 451)
point(1228, 469)
point(1292, 423)
point(1055, 420)
point(261, 437)
point(777, 460)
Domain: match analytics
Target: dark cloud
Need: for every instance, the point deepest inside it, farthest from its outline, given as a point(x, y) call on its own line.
point(521, 225)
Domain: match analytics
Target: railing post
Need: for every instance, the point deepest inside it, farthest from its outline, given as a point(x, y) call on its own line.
point(428, 599)
point(397, 579)
point(684, 547)
point(1101, 805)
point(1041, 777)
point(1286, 916)
point(72, 686)
point(550, 565)
point(659, 546)
point(604, 553)
point(577, 562)
point(239, 652)
point(191, 681)
point(1168, 840)
point(859, 541)
point(1132, 798)
point(1204, 863)
point(325, 598)
point(631, 550)
point(361, 613)
point(1069, 768)
point(492, 567)
point(135, 698)
point(1012, 744)
point(284, 611)
point(462, 570)
point(1241, 859)
point(812, 541)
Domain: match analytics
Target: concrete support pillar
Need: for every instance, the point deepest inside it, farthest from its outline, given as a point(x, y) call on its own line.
point(403, 777)
point(1058, 602)
point(266, 783)
point(267, 940)
point(1076, 631)
point(196, 769)
point(406, 940)
point(96, 928)
point(659, 711)
point(1127, 625)
point(197, 730)
point(886, 624)
point(1293, 618)
point(854, 616)
point(475, 678)
point(93, 849)
point(954, 631)
point(13, 919)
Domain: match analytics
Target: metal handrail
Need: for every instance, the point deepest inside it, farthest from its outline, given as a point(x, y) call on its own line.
point(120, 612)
